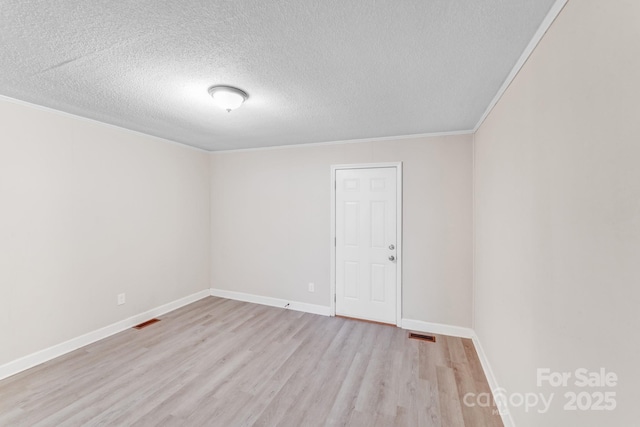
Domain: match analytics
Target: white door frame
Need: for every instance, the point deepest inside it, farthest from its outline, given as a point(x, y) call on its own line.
point(398, 167)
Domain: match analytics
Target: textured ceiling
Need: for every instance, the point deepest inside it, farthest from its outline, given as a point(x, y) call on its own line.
point(315, 70)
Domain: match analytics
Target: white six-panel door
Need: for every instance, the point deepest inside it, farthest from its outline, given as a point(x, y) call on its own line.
point(366, 243)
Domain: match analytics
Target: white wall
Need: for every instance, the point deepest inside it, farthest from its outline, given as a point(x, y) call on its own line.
point(557, 214)
point(271, 222)
point(88, 211)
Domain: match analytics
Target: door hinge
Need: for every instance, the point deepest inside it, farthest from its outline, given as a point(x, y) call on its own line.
point(335, 241)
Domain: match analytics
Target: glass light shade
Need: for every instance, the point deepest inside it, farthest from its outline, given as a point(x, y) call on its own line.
point(227, 97)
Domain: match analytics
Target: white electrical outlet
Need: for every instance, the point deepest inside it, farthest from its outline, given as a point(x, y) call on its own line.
point(121, 299)
point(312, 287)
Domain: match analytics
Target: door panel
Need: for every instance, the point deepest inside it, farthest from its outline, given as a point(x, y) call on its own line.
point(365, 233)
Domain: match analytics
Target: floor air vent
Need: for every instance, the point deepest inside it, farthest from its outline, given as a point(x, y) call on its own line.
point(145, 324)
point(422, 337)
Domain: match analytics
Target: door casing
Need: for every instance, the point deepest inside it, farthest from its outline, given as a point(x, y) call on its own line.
point(398, 167)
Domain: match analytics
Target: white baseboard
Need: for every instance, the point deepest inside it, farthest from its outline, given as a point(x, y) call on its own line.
point(507, 420)
point(57, 350)
point(437, 328)
point(273, 302)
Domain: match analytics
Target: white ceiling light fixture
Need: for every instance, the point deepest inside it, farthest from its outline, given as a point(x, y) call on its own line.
point(227, 97)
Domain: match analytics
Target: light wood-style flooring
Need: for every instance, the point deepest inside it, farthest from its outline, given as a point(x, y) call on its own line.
point(220, 362)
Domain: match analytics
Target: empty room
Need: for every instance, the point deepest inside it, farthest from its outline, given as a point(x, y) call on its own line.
point(299, 213)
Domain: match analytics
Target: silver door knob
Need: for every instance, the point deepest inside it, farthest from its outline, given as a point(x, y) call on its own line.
point(392, 247)
point(392, 258)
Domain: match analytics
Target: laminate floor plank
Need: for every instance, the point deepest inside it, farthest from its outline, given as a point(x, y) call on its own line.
point(450, 407)
point(335, 364)
point(219, 362)
point(284, 402)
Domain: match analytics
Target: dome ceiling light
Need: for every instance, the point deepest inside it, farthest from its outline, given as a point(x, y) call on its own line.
point(227, 97)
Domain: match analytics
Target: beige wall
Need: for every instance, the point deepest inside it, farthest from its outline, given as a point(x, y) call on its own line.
point(557, 214)
point(271, 222)
point(88, 211)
